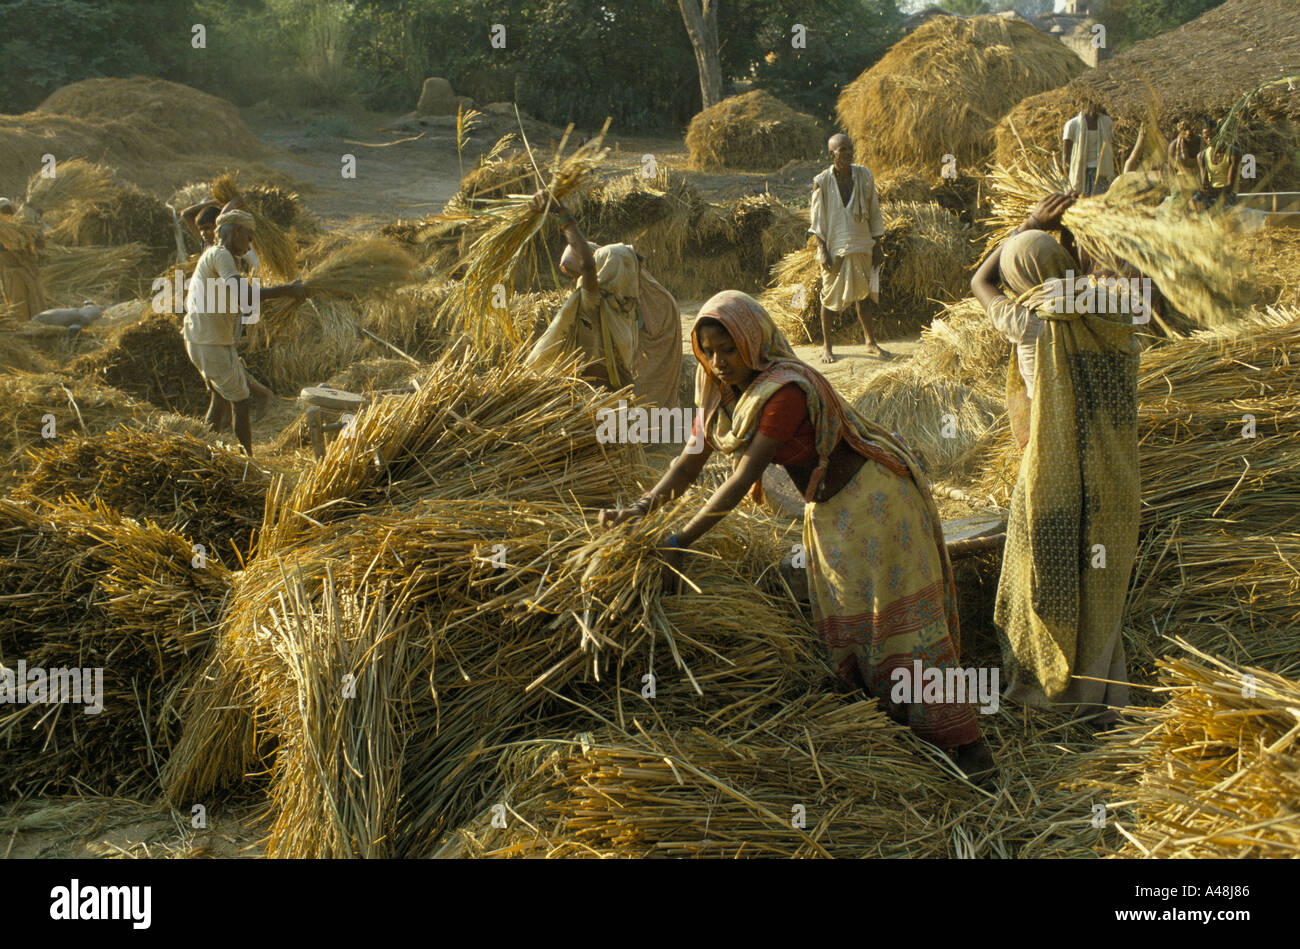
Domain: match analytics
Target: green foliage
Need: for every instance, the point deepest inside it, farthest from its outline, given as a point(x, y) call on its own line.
point(965, 7)
point(1132, 21)
point(45, 44)
point(842, 39)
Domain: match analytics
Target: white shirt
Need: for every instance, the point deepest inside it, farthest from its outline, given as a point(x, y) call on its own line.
point(215, 281)
point(1021, 327)
point(851, 228)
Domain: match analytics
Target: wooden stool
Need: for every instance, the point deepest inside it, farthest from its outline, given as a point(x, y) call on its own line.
point(320, 399)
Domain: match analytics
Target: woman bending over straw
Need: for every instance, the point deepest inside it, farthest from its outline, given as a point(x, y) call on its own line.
point(623, 320)
point(1072, 530)
point(878, 572)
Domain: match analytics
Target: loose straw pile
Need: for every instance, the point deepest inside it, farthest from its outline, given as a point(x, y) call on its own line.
point(1214, 771)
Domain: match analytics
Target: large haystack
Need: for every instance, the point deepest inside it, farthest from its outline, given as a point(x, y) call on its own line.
point(752, 132)
point(942, 88)
point(1206, 65)
point(155, 133)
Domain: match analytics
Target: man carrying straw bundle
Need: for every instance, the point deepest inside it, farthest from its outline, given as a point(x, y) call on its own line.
point(201, 220)
point(619, 317)
point(847, 224)
point(1072, 529)
point(212, 310)
point(1090, 150)
point(878, 572)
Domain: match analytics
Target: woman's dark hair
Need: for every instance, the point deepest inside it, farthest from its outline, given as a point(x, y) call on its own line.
point(208, 215)
point(711, 324)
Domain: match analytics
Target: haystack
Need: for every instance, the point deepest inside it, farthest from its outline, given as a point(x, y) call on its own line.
point(1235, 47)
point(124, 214)
point(211, 495)
point(942, 89)
point(73, 180)
point(304, 345)
point(753, 132)
point(78, 406)
point(1214, 771)
point(939, 418)
point(928, 253)
point(83, 587)
point(73, 275)
point(147, 359)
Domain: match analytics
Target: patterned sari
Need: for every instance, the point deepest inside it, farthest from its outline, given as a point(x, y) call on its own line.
point(878, 572)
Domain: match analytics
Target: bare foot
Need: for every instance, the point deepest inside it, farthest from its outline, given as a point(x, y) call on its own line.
point(976, 761)
point(874, 350)
point(828, 356)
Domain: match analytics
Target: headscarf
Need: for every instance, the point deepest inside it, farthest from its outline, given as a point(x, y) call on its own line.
point(618, 276)
point(731, 422)
point(242, 218)
point(1033, 264)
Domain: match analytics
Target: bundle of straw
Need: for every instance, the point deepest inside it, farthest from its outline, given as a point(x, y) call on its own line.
point(508, 226)
point(74, 180)
point(356, 271)
point(77, 406)
point(1212, 772)
point(124, 214)
point(452, 653)
point(81, 586)
point(73, 275)
point(963, 345)
point(147, 359)
point(1238, 597)
point(210, 495)
point(275, 249)
point(1187, 257)
point(866, 788)
point(472, 429)
point(939, 418)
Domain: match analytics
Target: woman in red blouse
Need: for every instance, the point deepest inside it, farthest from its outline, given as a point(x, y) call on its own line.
point(878, 573)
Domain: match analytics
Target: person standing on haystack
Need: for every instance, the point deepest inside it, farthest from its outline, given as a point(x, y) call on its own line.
point(623, 321)
point(1090, 150)
point(21, 293)
point(210, 336)
point(1072, 529)
point(847, 224)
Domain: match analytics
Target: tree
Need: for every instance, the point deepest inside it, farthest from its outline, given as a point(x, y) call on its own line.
point(965, 7)
point(1132, 21)
point(702, 27)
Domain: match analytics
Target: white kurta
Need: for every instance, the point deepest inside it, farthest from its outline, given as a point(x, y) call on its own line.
point(850, 232)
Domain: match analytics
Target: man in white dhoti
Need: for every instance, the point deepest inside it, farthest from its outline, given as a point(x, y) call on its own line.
point(846, 221)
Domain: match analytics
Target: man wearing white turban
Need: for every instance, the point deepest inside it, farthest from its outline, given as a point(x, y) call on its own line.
point(212, 311)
